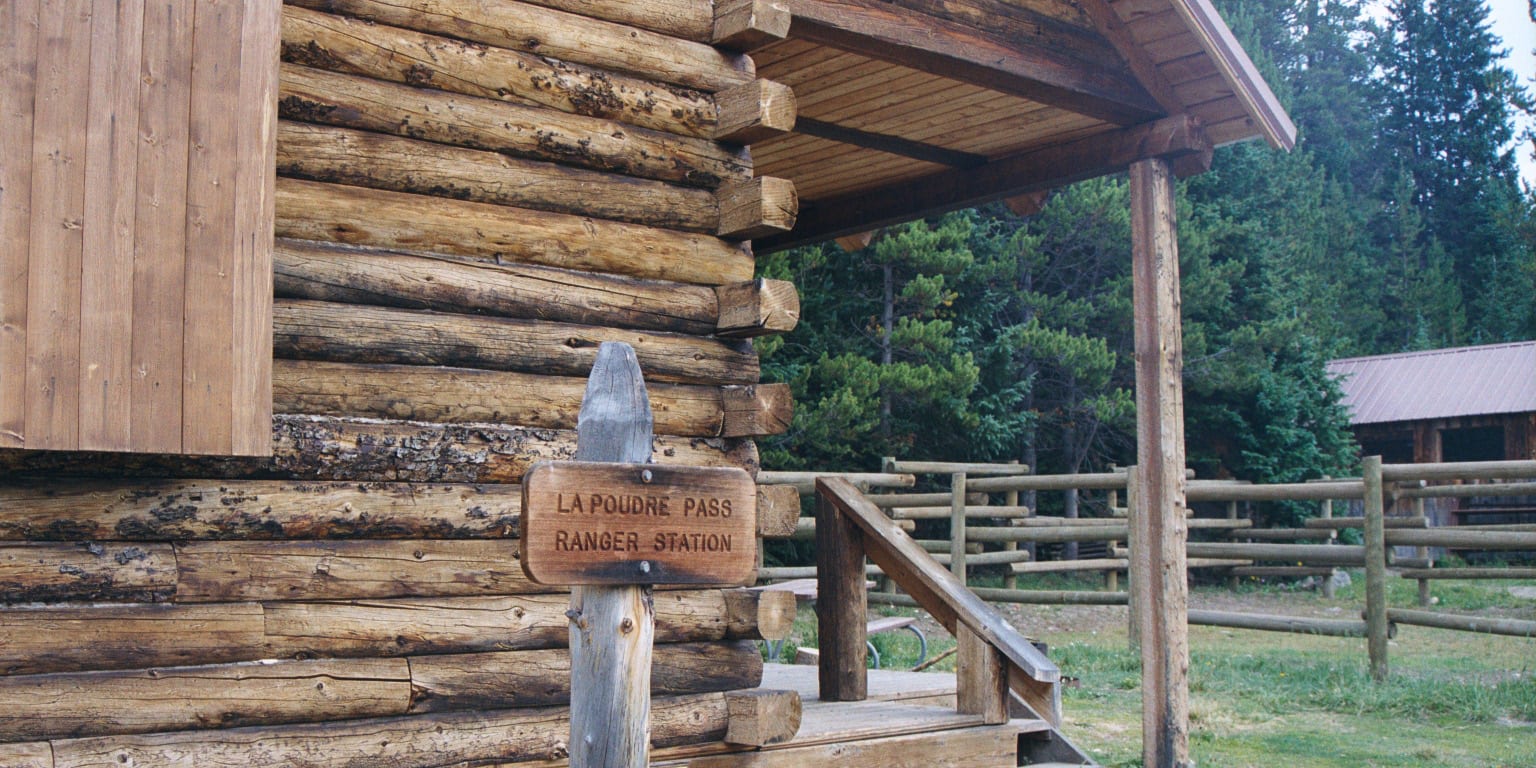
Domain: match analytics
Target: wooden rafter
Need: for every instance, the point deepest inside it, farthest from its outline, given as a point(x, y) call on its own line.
point(1113, 28)
point(1033, 171)
point(894, 145)
point(1023, 68)
point(1239, 71)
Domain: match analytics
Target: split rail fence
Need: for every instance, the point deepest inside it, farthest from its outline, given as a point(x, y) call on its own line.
point(984, 534)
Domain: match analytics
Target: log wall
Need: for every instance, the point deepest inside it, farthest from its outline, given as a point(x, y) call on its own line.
point(466, 206)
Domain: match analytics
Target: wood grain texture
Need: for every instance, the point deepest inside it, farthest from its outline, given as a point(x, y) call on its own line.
point(559, 35)
point(315, 95)
point(186, 698)
point(160, 226)
point(18, 69)
point(841, 607)
point(380, 161)
point(74, 638)
point(348, 333)
point(981, 679)
point(762, 717)
point(322, 272)
point(31, 573)
point(106, 289)
point(755, 111)
point(181, 510)
point(430, 61)
point(759, 207)
point(37, 754)
point(746, 25)
point(57, 223)
point(758, 308)
point(424, 740)
point(688, 19)
point(357, 216)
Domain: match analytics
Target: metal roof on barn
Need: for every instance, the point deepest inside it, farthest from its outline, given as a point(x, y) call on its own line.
point(1440, 383)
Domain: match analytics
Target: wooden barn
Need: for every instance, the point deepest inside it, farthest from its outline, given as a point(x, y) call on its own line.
point(292, 294)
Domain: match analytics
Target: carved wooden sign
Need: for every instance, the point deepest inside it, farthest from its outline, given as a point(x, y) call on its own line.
point(601, 523)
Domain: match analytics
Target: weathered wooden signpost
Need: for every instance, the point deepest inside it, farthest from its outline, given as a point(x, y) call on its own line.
point(611, 525)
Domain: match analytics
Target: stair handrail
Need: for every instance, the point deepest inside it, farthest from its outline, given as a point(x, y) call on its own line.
point(994, 658)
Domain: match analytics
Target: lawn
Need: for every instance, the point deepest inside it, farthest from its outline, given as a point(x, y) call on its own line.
point(1268, 699)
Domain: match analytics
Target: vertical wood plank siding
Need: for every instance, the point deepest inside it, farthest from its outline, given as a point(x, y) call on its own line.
point(136, 225)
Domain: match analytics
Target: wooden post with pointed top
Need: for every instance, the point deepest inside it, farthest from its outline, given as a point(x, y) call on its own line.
point(612, 627)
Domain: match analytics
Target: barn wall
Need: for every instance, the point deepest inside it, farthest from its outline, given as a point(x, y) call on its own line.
point(465, 207)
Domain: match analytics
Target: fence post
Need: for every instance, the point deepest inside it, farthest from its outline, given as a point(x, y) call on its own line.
point(1132, 588)
point(1375, 569)
point(957, 526)
point(1326, 512)
point(1423, 554)
point(1011, 579)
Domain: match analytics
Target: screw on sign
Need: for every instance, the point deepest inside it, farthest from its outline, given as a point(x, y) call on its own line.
point(611, 525)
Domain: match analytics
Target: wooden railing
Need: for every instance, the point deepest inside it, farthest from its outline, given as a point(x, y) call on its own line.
point(993, 658)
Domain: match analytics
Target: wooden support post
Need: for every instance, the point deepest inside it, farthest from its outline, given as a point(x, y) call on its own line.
point(1375, 569)
point(841, 605)
point(981, 681)
point(612, 627)
point(957, 526)
point(1161, 530)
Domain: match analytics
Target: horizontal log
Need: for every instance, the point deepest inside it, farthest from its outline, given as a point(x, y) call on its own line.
point(1324, 491)
point(311, 330)
point(1358, 523)
point(1296, 624)
point(431, 61)
point(418, 741)
point(806, 481)
point(778, 511)
point(559, 35)
point(755, 111)
point(70, 638)
point(1284, 534)
point(1458, 538)
point(757, 207)
point(381, 161)
point(508, 679)
point(746, 25)
point(331, 98)
point(179, 510)
point(1019, 596)
point(785, 572)
point(1468, 573)
point(1016, 514)
point(184, 698)
point(460, 395)
point(1100, 481)
point(1460, 470)
point(1209, 523)
point(761, 717)
point(1004, 557)
point(953, 467)
point(1484, 624)
point(1475, 490)
point(86, 571)
point(375, 218)
point(1049, 534)
point(1069, 566)
point(759, 614)
point(805, 527)
point(893, 500)
point(344, 275)
point(371, 450)
point(226, 571)
point(1280, 571)
point(757, 308)
point(1306, 554)
point(37, 754)
point(688, 19)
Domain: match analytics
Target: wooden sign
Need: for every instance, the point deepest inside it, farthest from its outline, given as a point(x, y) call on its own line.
point(600, 523)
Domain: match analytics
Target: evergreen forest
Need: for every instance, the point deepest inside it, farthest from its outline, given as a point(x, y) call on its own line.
point(1398, 223)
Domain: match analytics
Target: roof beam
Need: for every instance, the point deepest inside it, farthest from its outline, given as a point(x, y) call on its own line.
point(1021, 67)
point(1175, 138)
point(889, 144)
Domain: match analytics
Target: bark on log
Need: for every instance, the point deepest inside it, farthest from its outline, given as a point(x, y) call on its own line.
point(320, 96)
point(564, 36)
point(185, 698)
point(431, 61)
point(86, 571)
point(420, 741)
point(309, 330)
point(375, 218)
point(688, 19)
point(224, 571)
point(364, 451)
point(543, 678)
point(377, 160)
point(179, 510)
point(459, 395)
point(340, 274)
point(73, 638)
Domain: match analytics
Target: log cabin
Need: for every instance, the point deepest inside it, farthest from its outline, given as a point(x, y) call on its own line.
point(293, 293)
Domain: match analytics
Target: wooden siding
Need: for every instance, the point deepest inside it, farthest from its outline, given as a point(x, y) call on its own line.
point(136, 211)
